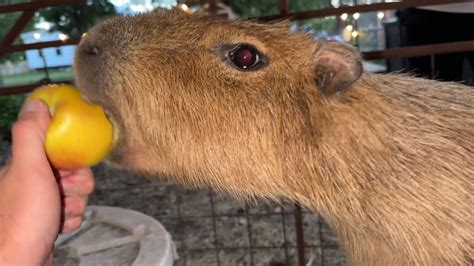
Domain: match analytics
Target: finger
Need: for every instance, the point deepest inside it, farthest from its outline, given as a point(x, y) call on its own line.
point(71, 224)
point(29, 132)
point(4, 168)
point(80, 171)
point(80, 184)
point(49, 259)
point(75, 172)
point(74, 206)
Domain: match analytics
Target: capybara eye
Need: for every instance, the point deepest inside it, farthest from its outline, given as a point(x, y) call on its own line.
point(245, 56)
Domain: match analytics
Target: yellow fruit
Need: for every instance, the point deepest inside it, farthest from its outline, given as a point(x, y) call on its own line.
point(79, 134)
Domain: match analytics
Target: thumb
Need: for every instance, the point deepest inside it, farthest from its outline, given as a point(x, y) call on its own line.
point(29, 133)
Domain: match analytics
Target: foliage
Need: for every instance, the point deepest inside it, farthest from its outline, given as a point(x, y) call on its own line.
point(9, 108)
point(7, 21)
point(253, 8)
point(304, 5)
point(75, 20)
point(257, 8)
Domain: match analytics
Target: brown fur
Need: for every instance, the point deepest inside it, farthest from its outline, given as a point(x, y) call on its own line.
point(388, 162)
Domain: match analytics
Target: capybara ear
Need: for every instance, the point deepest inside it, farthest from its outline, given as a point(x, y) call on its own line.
point(337, 67)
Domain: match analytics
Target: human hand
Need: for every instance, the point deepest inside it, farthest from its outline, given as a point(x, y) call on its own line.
point(36, 201)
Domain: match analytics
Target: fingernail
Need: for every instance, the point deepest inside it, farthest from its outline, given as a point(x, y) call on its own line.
point(30, 106)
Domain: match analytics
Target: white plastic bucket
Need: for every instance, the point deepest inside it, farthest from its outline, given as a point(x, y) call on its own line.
point(116, 236)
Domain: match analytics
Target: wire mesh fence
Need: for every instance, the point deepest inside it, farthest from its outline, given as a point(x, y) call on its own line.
point(213, 229)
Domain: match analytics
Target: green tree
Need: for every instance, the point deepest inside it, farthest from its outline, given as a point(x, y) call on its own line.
point(9, 107)
point(258, 8)
point(77, 19)
point(7, 20)
point(253, 8)
point(304, 5)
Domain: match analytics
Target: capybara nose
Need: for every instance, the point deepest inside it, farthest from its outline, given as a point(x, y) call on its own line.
point(89, 44)
point(92, 50)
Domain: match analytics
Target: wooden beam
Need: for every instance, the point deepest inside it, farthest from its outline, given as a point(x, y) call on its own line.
point(16, 90)
point(212, 7)
point(17, 28)
point(357, 9)
point(33, 6)
point(38, 45)
point(29, 10)
point(283, 6)
point(24, 88)
point(421, 50)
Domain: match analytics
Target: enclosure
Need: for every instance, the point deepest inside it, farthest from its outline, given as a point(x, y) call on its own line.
point(210, 228)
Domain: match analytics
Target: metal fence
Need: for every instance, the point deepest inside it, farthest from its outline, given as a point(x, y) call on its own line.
point(212, 229)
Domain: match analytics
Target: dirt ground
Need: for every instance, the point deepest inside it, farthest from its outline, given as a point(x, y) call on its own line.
point(211, 229)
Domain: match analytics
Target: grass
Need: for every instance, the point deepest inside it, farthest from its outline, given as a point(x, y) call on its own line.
point(56, 74)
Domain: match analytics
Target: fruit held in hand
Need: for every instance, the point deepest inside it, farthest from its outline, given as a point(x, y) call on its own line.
point(80, 134)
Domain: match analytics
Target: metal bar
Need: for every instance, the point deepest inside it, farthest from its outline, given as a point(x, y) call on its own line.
point(299, 235)
point(285, 240)
point(249, 229)
point(38, 45)
point(214, 226)
point(32, 6)
point(421, 50)
point(283, 5)
point(17, 28)
point(179, 202)
point(212, 7)
point(321, 239)
point(357, 9)
point(432, 66)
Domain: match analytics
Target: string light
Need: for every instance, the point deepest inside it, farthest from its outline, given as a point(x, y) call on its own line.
point(36, 35)
point(344, 16)
point(347, 33)
point(356, 16)
point(63, 37)
point(380, 15)
point(355, 34)
point(185, 8)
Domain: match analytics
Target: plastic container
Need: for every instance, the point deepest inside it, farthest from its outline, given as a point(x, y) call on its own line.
point(115, 236)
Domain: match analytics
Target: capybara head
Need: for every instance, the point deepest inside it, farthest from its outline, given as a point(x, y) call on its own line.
point(189, 93)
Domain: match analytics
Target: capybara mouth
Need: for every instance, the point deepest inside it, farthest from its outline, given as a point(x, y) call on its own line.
point(108, 113)
point(116, 127)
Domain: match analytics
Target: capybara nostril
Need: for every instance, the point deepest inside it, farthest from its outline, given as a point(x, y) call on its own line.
point(92, 50)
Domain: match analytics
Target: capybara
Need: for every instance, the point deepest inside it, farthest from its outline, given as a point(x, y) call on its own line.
point(256, 110)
